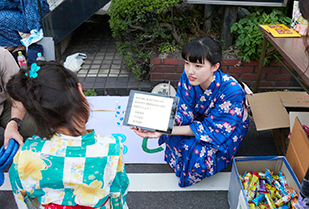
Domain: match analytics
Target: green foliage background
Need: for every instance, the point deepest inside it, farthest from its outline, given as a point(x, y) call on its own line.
point(90, 92)
point(249, 38)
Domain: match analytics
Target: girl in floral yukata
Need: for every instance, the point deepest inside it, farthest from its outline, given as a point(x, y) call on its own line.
point(211, 119)
point(65, 165)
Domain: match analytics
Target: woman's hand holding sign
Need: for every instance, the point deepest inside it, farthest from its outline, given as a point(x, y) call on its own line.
point(145, 133)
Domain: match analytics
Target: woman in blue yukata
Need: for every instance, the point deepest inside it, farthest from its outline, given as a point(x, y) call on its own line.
point(65, 165)
point(211, 119)
point(19, 16)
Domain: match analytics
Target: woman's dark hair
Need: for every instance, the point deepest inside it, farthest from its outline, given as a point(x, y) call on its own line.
point(203, 48)
point(52, 98)
point(304, 8)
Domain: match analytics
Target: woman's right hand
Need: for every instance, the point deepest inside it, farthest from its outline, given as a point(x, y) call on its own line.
point(145, 133)
point(11, 132)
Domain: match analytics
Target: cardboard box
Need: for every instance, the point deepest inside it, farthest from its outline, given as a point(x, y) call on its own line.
point(236, 197)
point(298, 150)
point(271, 112)
point(294, 165)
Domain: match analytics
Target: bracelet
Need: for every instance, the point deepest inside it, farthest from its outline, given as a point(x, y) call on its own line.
point(18, 121)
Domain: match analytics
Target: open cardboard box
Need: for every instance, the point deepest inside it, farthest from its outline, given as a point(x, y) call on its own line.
point(271, 112)
point(236, 195)
point(298, 149)
point(294, 165)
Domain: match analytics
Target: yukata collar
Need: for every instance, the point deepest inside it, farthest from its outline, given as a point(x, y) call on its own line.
point(84, 140)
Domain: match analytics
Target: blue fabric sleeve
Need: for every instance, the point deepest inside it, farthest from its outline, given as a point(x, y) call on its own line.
point(224, 119)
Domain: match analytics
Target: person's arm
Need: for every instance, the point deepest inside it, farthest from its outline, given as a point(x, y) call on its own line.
point(11, 130)
point(182, 130)
point(9, 69)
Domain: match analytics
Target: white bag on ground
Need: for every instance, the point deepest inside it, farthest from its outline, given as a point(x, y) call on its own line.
point(74, 61)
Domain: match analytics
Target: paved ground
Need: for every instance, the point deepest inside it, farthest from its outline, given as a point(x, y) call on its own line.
point(104, 71)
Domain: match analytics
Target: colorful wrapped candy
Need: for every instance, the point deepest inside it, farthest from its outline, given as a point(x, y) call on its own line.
point(285, 199)
point(266, 190)
point(269, 200)
point(262, 185)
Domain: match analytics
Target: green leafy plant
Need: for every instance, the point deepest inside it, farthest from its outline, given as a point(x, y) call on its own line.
point(249, 38)
point(90, 92)
point(145, 27)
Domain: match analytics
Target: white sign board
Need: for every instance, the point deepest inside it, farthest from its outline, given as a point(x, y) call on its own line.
point(106, 117)
point(151, 111)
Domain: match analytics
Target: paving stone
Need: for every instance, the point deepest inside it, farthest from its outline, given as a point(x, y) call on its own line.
point(87, 85)
point(92, 75)
point(95, 66)
point(123, 80)
point(114, 71)
point(113, 75)
point(94, 71)
point(90, 79)
point(102, 74)
point(122, 85)
point(82, 75)
point(116, 66)
point(85, 66)
point(105, 61)
point(97, 61)
point(99, 85)
point(81, 79)
point(133, 85)
point(101, 79)
point(105, 66)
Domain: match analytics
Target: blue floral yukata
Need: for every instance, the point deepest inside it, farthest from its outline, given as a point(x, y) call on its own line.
point(19, 16)
point(218, 118)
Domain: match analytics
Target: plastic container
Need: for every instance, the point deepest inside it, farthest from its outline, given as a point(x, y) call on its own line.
point(22, 62)
point(40, 57)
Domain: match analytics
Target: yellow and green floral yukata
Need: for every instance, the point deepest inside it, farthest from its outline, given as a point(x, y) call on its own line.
point(86, 170)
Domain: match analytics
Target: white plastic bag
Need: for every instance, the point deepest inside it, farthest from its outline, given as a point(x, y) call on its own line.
point(74, 61)
point(34, 37)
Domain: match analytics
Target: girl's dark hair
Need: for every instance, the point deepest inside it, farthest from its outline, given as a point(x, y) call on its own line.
point(203, 48)
point(52, 98)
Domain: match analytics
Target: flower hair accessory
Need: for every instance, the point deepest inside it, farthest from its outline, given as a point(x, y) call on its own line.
point(33, 71)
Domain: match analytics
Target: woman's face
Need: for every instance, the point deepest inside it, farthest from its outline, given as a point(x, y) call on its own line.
point(200, 74)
